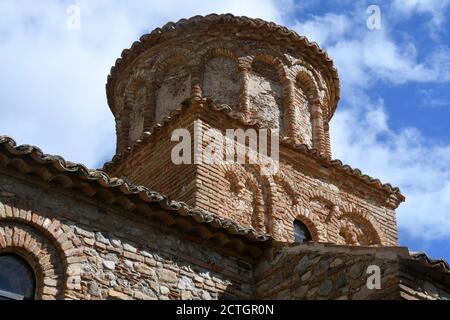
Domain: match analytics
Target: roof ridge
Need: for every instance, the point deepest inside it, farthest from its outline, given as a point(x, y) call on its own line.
point(423, 257)
point(147, 40)
point(128, 189)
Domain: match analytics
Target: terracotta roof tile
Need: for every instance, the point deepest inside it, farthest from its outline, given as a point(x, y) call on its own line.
point(24, 157)
point(438, 264)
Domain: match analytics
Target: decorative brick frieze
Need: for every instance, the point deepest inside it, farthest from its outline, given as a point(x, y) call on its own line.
point(259, 78)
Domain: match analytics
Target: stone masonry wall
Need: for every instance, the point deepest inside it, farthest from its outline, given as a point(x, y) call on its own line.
point(84, 250)
point(174, 88)
point(265, 95)
point(312, 271)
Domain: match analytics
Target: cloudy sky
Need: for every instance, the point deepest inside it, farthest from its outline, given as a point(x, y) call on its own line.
point(393, 120)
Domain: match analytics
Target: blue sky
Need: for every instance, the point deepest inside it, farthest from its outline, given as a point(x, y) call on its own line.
point(393, 120)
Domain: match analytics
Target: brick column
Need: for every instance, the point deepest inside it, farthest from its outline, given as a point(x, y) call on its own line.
point(289, 111)
point(243, 92)
point(327, 143)
point(196, 82)
point(150, 106)
point(318, 126)
point(124, 132)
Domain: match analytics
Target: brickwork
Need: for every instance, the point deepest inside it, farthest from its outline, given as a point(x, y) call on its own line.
point(149, 228)
point(269, 80)
point(81, 251)
point(336, 209)
point(264, 83)
point(86, 244)
point(309, 271)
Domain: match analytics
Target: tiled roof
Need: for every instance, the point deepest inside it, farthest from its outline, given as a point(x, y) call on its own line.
point(302, 148)
point(437, 264)
point(312, 49)
point(30, 159)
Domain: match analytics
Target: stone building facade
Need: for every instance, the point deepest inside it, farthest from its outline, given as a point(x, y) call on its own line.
point(310, 230)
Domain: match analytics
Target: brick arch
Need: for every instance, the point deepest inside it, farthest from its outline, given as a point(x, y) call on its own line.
point(39, 253)
point(324, 94)
point(303, 215)
point(222, 82)
point(270, 59)
point(140, 79)
point(267, 53)
point(276, 215)
point(308, 81)
point(287, 184)
point(172, 93)
point(326, 196)
point(64, 241)
point(218, 51)
point(369, 224)
point(330, 205)
point(168, 59)
point(265, 183)
point(331, 200)
point(239, 174)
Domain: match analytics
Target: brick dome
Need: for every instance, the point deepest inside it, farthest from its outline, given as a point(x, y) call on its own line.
point(263, 71)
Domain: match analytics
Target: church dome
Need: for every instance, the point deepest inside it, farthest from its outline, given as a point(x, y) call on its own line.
point(266, 72)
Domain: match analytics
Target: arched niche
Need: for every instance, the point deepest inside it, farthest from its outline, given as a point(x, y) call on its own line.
point(302, 113)
point(354, 229)
point(306, 93)
point(243, 197)
point(137, 113)
point(173, 85)
point(220, 80)
point(265, 92)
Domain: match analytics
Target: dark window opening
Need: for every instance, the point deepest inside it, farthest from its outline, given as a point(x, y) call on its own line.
point(17, 279)
point(301, 232)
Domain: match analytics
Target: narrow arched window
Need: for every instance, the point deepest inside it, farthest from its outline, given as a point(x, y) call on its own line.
point(17, 279)
point(301, 232)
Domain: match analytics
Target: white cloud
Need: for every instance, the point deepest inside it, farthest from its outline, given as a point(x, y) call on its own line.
point(52, 80)
point(435, 8)
point(362, 137)
point(324, 29)
point(52, 94)
point(360, 131)
point(364, 55)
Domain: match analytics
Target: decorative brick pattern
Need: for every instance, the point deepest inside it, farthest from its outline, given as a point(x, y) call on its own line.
point(259, 78)
point(93, 236)
point(335, 209)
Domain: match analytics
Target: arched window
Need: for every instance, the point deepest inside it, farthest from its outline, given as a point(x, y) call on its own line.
point(301, 232)
point(17, 279)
